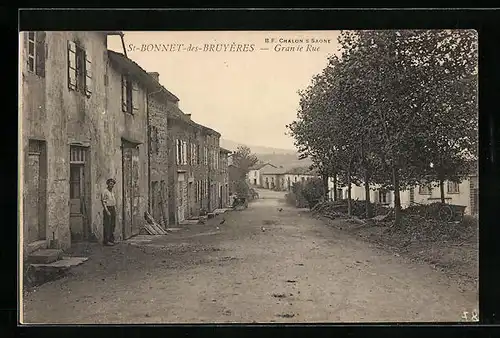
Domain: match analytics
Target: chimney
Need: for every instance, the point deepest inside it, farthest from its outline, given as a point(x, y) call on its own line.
point(188, 115)
point(155, 75)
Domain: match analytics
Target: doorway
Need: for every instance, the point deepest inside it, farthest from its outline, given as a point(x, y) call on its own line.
point(78, 196)
point(181, 197)
point(131, 191)
point(220, 197)
point(35, 203)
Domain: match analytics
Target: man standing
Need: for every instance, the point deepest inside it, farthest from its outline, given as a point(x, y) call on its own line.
point(109, 205)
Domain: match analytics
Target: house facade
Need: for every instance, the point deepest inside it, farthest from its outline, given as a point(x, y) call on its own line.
point(291, 178)
point(194, 177)
point(159, 102)
point(71, 139)
point(464, 193)
point(88, 114)
point(223, 199)
point(254, 174)
point(214, 183)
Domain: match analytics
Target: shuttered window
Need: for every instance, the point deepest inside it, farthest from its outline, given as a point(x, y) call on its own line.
point(184, 152)
point(79, 69)
point(88, 75)
point(36, 52)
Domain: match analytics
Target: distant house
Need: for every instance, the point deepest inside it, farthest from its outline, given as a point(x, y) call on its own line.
point(273, 178)
point(254, 175)
point(299, 174)
point(283, 179)
point(465, 193)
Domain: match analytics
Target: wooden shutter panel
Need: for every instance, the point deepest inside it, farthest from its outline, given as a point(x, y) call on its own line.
point(71, 65)
point(88, 74)
point(177, 152)
point(124, 93)
point(184, 152)
point(135, 96)
point(40, 54)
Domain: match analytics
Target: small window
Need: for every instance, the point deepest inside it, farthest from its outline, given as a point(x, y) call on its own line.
point(453, 188)
point(79, 69)
point(382, 197)
point(36, 50)
point(424, 189)
point(129, 95)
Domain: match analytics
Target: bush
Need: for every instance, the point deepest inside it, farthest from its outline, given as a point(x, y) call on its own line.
point(242, 189)
point(298, 196)
point(313, 191)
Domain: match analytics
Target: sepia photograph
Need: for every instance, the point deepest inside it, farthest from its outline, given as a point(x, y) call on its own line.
point(248, 176)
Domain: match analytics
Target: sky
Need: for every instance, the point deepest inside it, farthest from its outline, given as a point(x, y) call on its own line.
point(248, 95)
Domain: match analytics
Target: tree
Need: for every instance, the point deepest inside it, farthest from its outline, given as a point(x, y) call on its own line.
point(243, 159)
point(392, 103)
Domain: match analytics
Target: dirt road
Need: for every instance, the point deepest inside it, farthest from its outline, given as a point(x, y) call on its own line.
point(295, 270)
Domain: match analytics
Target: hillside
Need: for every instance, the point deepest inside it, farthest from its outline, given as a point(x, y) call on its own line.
point(288, 161)
point(288, 158)
point(232, 145)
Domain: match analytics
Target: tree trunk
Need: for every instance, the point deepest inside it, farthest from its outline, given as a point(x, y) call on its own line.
point(441, 187)
point(397, 197)
point(367, 194)
point(349, 207)
point(325, 186)
point(335, 187)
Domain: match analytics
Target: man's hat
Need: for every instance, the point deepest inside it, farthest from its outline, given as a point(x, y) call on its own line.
point(109, 180)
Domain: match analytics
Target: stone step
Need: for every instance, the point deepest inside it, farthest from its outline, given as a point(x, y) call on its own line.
point(35, 246)
point(189, 222)
point(221, 211)
point(62, 264)
point(45, 256)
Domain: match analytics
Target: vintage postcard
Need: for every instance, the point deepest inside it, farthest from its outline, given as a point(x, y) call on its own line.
point(248, 176)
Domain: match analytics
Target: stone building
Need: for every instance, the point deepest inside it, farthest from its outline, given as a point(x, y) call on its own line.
point(87, 114)
point(190, 172)
point(223, 178)
point(68, 146)
point(213, 152)
point(61, 100)
point(159, 103)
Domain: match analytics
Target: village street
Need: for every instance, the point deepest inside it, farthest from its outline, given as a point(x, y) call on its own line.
point(296, 269)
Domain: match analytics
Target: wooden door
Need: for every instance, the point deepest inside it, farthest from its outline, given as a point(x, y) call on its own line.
point(32, 197)
point(220, 198)
point(127, 191)
point(131, 190)
point(136, 193)
point(180, 199)
point(76, 200)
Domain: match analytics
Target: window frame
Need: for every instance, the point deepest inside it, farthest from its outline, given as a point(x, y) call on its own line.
point(425, 189)
point(454, 184)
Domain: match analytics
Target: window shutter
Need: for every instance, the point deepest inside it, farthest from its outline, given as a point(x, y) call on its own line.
point(71, 65)
point(40, 54)
point(135, 96)
point(88, 75)
point(124, 93)
point(177, 151)
point(184, 155)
